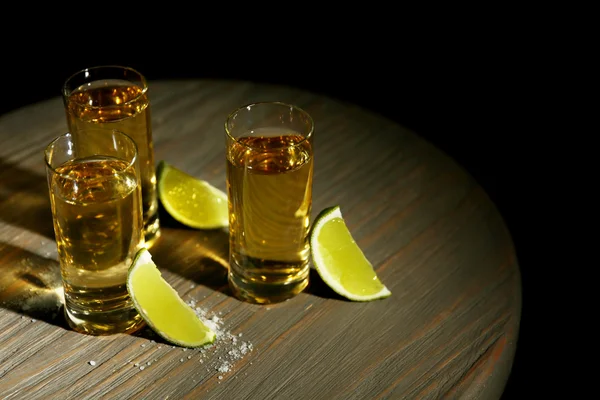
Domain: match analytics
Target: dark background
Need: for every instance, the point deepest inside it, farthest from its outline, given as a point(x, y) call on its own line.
point(467, 89)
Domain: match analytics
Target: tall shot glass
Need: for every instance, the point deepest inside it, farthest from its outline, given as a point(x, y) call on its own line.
point(269, 183)
point(116, 97)
point(96, 200)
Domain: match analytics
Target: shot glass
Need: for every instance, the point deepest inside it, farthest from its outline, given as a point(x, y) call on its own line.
point(96, 199)
point(116, 97)
point(269, 185)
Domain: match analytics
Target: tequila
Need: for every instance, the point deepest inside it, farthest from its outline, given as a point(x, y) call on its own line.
point(96, 208)
point(269, 182)
point(124, 106)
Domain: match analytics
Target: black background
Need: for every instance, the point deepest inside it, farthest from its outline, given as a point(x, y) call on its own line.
point(465, 86)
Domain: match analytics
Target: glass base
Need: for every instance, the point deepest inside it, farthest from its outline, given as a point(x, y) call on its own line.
point(126, 320)
point(259, 292)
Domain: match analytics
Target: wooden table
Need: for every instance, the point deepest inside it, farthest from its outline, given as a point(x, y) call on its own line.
point(449, 330)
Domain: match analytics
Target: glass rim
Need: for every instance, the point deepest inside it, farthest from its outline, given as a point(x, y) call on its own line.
point(305, 138)
point(143, 79)
point(130, 162)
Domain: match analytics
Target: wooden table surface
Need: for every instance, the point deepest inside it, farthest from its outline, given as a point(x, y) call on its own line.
point(449, 330)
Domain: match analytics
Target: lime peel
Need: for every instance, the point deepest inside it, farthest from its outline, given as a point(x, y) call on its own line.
point(191, 201)
point(339, 260)
point(162, 308)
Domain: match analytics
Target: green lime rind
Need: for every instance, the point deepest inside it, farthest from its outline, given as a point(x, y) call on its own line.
point(191, 201)
point(353, 278)
point(162, 308)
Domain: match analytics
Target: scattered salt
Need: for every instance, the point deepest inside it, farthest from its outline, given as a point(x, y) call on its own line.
point(237, 347)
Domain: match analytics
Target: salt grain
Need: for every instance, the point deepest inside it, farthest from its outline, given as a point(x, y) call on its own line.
point(92, 363)
point(224, 368)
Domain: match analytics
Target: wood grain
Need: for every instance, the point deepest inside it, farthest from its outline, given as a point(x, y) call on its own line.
point(449, 330)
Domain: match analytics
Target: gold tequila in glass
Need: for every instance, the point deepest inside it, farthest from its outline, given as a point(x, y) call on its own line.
point(269, 183)
point(116, 97)
point(95, 195)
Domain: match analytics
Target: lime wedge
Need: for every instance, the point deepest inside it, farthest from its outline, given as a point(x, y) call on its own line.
point(191, 201)
point(340, 262)
point(162, 308)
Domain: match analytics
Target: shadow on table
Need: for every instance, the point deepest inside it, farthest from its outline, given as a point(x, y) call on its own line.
point(24, 200)
point(318, 287)
point(198, 255)
point(31, 285)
